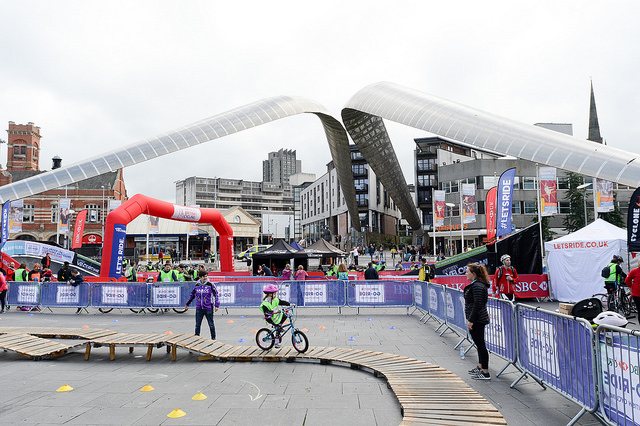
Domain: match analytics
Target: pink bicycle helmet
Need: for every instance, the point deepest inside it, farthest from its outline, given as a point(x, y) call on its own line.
point(271, 288)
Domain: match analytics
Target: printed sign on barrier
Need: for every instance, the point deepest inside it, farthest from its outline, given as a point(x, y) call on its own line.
point(315, 293)
point(417, 294)
point(540, 338)
point(495, 331)
point(166, 296)
point(28, 294)
point(285, 292)
point(433, 299)
point(68, 295)
point(114, 295)
point(226, 294)
point(620, 379)
point(369, 293)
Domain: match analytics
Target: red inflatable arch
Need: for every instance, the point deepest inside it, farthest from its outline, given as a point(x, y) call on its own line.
point(116, 230)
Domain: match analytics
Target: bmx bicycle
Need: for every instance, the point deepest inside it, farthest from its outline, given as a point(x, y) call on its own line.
point(266, 337)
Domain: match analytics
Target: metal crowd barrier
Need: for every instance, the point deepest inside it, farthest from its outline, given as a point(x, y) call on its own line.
point(455, 318)
point(65, 295)
point(23, 293)
point(500, 334)
point(374, 293)
point(557, 350)
point(436, 303)
point(170, 294)
point(120, 295)
point(618, 362)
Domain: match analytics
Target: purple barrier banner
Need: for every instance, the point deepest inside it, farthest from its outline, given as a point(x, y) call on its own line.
point(558, 350)
point(420, 298)
point(329, 293)
point(379, 293)
point(455, 310)
point(23, 293)
point(62, 295)
point(119, 295)
point(435, 299)
point(500, 333)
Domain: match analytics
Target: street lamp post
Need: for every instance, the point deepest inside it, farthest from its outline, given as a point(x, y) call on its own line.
point(584, 187)
point(451, 206)
point(102, 212)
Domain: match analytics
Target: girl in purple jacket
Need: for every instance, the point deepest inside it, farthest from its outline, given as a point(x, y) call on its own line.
point(204, 292)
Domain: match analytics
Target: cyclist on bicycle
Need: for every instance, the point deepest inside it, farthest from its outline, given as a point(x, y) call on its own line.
point(616, 275)
point(269, 308)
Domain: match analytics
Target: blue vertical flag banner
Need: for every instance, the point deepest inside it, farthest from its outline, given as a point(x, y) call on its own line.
point(505, 200)
point(117, 250)
point(15, 217)
point(5, 223)
point(633, 222)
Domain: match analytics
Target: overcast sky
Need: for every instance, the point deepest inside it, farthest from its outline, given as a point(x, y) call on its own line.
point(99, 75)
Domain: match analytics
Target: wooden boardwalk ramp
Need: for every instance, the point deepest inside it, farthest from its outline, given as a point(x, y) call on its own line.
point(428, 394)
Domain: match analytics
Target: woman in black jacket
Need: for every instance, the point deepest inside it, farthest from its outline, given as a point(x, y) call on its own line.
point(475, 310)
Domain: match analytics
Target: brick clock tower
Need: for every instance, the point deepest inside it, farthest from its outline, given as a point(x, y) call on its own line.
point(23, 147)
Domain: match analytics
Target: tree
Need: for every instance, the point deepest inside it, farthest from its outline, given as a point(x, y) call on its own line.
point(547, 233)
point(575, 219)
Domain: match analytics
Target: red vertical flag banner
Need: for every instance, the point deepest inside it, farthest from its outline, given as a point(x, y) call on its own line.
point(78, 229)
point(490, 213)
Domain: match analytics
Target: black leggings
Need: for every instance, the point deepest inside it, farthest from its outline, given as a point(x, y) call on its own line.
point(636, 300)
point(3, 297)
point(477, 335)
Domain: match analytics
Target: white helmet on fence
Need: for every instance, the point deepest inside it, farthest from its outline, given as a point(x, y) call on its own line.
point(611, 318)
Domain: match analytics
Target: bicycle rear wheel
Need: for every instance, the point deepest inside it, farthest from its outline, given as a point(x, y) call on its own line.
point(299, 341)
point(603, 298)
point(264, 339)
point(105, 310)
point(180, 310)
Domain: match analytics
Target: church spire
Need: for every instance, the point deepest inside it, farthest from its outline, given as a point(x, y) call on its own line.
point(594, 127)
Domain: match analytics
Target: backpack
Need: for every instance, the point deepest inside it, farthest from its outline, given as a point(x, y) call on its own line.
point(606, 272)
point(431, 272)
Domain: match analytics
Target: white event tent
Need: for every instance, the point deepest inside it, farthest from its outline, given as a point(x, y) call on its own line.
point(575, 260)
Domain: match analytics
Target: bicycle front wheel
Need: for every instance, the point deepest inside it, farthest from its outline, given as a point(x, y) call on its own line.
point(153, 310)
point(180, 310)
point(299, 341)
point(264, 339)
point(105, 310)
point(624, 307)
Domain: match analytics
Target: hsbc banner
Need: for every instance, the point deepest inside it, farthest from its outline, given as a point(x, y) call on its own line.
point(530, 285)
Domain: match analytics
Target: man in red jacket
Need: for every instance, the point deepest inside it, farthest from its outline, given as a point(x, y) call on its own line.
point(505, 279)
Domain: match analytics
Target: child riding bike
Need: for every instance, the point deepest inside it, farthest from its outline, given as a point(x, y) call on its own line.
point(269, 308)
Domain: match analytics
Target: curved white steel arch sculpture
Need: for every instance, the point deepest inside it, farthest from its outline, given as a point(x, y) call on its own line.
point(364, 112)
point(233, 121)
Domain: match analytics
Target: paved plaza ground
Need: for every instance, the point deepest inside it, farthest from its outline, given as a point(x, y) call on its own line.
point(242, 393)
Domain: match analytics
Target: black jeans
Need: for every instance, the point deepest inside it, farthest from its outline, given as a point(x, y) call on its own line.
point(208, 313)
point(477, 335)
